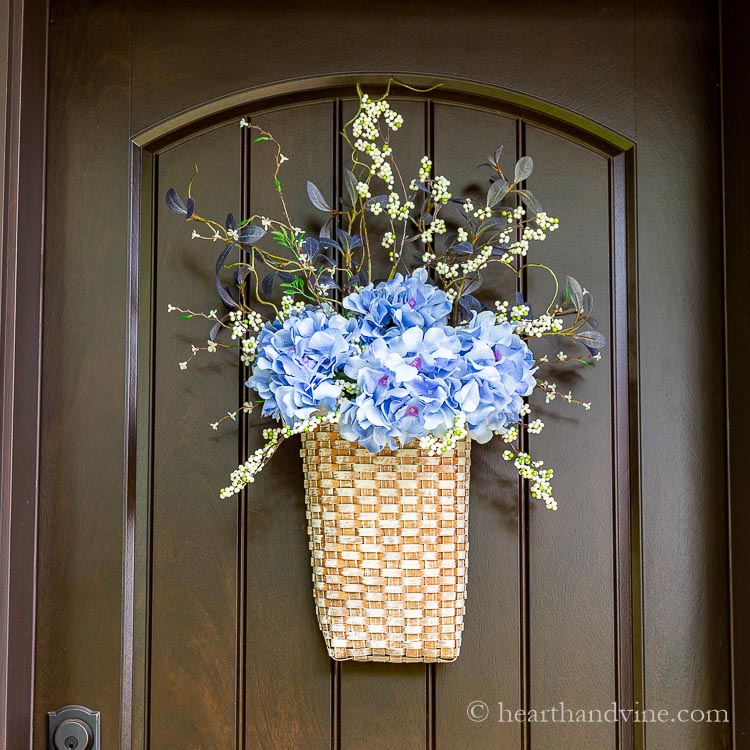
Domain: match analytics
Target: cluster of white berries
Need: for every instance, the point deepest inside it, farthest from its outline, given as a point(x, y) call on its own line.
point(388, 239)
point(483, 213)
point(425, 167)
point(446, 270)
point(462, 235)
point(396, 210)
point(363, 190)
point(435, 228)
point(246, 472)
point(437, 446)
point(365, 130)
point(289, 307)
point(479, 262)
point(347, 386)
point(440, 192)
point(519, 248)
point(538, 327)
point(536, 426)
point(511, 434)
point(428, 256)
point(545, 222)
point(249, 350)
point(366, 123)
point(243, 322)
point(539, 479)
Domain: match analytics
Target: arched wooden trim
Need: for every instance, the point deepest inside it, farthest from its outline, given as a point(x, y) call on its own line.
point(539, 112)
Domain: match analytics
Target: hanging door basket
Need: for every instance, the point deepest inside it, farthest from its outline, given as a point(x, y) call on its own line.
point(389, 546)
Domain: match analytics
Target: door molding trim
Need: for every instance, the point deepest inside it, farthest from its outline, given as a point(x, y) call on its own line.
point(735, 157)
point(307, 90)
point(24, 98)
point(620, 153)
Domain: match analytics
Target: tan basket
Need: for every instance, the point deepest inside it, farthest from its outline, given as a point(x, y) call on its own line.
point(389, 545)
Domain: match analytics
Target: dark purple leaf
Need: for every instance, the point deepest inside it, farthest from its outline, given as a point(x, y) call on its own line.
point(472, 286)
point(356, 279)
point(174, 202)
point(591, 339)
point(250, 234)
point(469, 304)
point(190, 207)
point(311, 245)
point(266, 285)
point(316, 197)
point(492, 223)
point(231, 224)
point(463, 248)
point(524, 168)
point(225, 295)
point(241, 274)
point(223, 255)
point(498, 190)
point(531, 202)
point(381, 199)
point(494, 158)
point(327, 242)
point(326, 282)
point(576, 293)
point(215, 331)
point(588, 304)
point(286, 277)
point(350, 183)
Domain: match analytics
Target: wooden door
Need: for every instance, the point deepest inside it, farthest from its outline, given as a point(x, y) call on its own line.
point(188, 620)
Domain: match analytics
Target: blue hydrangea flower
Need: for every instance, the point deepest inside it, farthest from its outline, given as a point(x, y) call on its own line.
point(298, 363)
point(416, 382)
point(405, 382)
point(496, 372)
point(398, 304)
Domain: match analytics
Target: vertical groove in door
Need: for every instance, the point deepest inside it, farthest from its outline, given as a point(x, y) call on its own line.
point(622, 445)
point(338, 163)
point(152, 459)
point(243, 448)
point(431, 669)
point(523, 517)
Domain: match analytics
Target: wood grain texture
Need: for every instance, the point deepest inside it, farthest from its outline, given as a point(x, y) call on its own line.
point(572, 551)
point(646, 75)
point(683, 432)
point(735, 64)
point(82, 417)
point(23, 52)
point(193, 557)
point(593, 38)
point(288, 673)
point(489, 667)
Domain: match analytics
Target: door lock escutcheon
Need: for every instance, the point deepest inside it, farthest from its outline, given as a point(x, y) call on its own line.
point(74, 728)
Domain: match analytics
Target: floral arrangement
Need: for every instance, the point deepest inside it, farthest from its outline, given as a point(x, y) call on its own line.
point(416, 356)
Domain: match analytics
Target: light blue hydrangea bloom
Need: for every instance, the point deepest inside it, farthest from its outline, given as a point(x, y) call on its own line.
point(416, 382)
point(496, 371)
point(299, 361)
point(398, 304)
point(405, 388)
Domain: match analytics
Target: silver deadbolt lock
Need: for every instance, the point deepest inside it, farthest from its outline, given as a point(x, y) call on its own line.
point(74, 728)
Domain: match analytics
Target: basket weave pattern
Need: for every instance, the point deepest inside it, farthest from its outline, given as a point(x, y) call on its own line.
point(389, 545)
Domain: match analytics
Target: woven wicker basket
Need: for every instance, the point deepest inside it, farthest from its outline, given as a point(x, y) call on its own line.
point(389, 545)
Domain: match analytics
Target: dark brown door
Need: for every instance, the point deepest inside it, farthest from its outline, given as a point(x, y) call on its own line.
point(188, 620)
